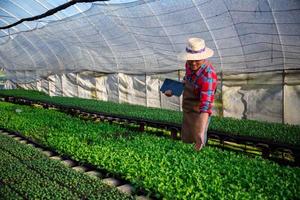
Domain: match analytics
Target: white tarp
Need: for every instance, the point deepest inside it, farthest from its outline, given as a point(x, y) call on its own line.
point(246, 96)
point(145, 37)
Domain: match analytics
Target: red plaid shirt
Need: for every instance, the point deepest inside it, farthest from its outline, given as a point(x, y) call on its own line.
point(205, 84)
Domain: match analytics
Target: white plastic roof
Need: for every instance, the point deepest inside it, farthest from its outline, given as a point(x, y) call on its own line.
point(14, 10)
point(144, 36)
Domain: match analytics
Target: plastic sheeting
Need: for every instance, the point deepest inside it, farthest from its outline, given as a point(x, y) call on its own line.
point(253, 96)
point(145, 37)
point(264, 96)
point(270, 96)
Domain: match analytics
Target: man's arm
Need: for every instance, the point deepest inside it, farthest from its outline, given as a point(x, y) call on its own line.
point(207, 90)
point(208, 86)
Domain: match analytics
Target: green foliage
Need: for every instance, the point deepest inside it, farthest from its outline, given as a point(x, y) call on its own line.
point(171, 169)
point(276, 132)
point(26, 172)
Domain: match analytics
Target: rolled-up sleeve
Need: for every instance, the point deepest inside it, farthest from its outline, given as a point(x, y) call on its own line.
point(208, 85)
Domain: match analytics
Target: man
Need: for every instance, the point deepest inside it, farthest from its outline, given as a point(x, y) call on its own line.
point(198, 96)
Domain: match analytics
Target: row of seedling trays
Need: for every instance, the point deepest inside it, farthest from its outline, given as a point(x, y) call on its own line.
point(276, 151)
point(26, 172)
point(162, 167)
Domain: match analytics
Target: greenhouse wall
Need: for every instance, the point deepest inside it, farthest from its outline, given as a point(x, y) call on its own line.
point(268, 96)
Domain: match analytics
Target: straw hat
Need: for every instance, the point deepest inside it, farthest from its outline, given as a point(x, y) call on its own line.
point(196, 50)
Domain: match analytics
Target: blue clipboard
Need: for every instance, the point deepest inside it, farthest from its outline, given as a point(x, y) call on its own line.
point(176, 87)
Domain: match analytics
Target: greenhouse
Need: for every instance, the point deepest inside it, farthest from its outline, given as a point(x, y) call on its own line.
point(84, 113)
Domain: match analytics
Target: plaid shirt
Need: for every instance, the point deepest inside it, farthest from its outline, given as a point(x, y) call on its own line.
point(205, 84)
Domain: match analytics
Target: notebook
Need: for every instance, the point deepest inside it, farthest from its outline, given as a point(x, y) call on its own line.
point(176, 86)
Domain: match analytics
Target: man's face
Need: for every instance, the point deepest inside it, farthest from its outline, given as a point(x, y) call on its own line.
point(195, 64)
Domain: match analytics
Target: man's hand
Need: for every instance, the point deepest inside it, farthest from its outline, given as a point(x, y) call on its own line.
point(200, 136)
point(168, 93)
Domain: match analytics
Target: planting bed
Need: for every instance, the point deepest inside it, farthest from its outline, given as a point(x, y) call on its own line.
point(166, 168)
point(271, 144)
point(25, 173)
point(282, 133)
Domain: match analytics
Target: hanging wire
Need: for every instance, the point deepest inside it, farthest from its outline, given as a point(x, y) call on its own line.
point(49, 12)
